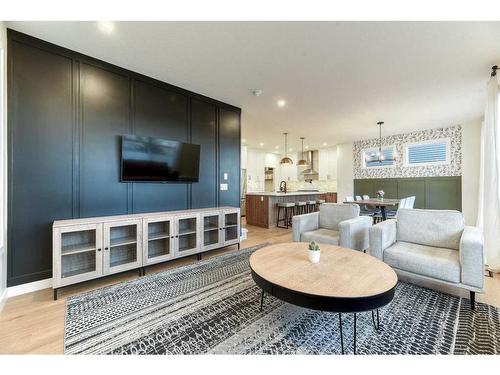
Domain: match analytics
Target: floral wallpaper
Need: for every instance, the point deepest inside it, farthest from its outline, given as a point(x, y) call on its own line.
point(454, 168)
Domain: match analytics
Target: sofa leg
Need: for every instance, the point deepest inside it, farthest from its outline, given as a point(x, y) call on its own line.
point(472, 300)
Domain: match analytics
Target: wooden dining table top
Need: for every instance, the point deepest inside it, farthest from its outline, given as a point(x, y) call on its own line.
point(378, 202)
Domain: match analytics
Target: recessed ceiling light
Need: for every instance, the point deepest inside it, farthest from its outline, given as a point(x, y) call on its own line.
point(306, 147)
point(325, 144)
point(257, 92)
point(261, 144)
point(281, 103)
point(244, 140)
point(276, 147)
point(290, 149)
point(106, 27)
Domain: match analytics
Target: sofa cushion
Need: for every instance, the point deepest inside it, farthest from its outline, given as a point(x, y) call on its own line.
point(321, 235)
point(436, 262)
point(438, 228)
point(331, 214)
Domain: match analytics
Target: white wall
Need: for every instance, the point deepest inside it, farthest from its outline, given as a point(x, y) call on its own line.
point(3, 164)
point(471, 145)
point(345, 178)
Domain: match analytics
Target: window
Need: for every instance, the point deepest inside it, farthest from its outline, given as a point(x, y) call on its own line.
point(387, 152)
point(431, 152)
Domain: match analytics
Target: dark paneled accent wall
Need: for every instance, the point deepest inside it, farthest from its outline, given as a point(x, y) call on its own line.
point(67, 112)
point(430, 192)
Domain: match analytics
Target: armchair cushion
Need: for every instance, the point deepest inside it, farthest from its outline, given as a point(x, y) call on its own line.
point(435, 262)
point(321, 235)
point(382, 236)
point(471, 257)
point(331, 214)
point(304, 223)
point(354, 233)
point(438, 228)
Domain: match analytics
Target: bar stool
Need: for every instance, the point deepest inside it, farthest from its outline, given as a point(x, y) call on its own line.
point(300, 208)
point(311, 206)
point(286, 208)
point(319, 202)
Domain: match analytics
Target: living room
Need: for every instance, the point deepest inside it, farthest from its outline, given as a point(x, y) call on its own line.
point(274, 187)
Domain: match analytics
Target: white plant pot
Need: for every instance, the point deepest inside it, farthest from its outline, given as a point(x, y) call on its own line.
point(314, 256)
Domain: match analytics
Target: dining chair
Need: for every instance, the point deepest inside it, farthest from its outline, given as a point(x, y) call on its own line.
point(358, 198)
point(410, 202)
point(366, 197)
point(349, 199)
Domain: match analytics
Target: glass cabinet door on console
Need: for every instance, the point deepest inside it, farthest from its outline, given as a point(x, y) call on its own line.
point(158, 242)
point(187, 235)
point(122, 246)
point(78, 253)
point(231, 227)
point(212, 230)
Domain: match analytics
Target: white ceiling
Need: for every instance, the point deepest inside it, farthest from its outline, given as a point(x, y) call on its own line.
point(338, 78)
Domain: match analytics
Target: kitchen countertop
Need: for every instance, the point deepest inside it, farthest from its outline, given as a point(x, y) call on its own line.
point(291, 193)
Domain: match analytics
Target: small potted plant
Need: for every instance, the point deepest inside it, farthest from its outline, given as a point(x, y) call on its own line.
point(314, 252)
point(380, 194)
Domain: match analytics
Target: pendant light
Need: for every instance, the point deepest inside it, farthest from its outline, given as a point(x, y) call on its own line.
point(302, 161)
point(379, 157)
point(286, 159)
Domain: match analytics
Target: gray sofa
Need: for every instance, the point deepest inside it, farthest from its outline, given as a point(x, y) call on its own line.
point(335, 224)
point(434, 245)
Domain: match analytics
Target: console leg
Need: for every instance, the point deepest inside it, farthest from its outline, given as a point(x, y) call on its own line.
point(262, 300)
point(341, 334)
point(239, 245)
point(143, 271)
point(472, 300)
point(55, 294)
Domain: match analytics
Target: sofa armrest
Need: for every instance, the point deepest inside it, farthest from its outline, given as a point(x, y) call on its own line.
point(304, 223)
point(382, 235)
point(354, 232)
point(472, 257)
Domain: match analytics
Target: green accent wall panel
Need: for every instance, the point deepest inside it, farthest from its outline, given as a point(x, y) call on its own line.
point(430, 192)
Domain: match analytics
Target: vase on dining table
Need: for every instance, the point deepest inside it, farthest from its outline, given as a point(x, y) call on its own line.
point(381, 194)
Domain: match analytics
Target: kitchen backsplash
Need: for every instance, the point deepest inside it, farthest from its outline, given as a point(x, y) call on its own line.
point(326, 185)
point(454, 168)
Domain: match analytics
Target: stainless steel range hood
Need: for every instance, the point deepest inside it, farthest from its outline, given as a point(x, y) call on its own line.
point(310, 173)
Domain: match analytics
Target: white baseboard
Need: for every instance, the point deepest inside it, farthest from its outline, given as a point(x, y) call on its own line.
point(3, 299)
point(28, 287)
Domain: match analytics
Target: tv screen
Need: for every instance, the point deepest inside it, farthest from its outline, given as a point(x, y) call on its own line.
point(148, 159)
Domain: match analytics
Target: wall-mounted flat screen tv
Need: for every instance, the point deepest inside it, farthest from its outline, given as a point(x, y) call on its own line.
point(149, 159)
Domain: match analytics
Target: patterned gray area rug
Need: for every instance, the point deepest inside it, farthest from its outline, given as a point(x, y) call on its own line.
point(213, 307)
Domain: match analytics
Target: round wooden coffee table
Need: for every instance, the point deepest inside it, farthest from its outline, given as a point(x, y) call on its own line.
point(344, 281)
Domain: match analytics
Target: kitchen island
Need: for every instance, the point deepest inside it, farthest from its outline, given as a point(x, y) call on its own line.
point(261, 208)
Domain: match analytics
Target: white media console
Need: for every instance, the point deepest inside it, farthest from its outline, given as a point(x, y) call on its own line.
point(85, 249)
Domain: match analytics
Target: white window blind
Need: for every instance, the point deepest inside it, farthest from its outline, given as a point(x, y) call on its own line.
point(425, 153)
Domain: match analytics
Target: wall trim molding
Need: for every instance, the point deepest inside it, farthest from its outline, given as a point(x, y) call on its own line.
point(34, 286)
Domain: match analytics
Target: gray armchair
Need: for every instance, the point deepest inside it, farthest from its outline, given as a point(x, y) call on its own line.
point(335, 224)
point(434, 245)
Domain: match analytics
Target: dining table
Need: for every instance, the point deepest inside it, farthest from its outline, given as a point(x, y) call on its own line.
point(381, 203)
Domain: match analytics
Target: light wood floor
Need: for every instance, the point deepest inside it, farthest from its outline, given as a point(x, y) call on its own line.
point(34, 324)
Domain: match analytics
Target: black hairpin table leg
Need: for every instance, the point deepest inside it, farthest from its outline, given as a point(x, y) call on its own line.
point(354, 333)
point(262, 300)
point(341, 334)
point(377, 326)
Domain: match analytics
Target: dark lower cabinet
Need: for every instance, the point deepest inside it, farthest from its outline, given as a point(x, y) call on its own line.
point(204, 133)
point(159, 113)
point(40, 150)
point(67, 113)
point(229, 157)
point(105, 117)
